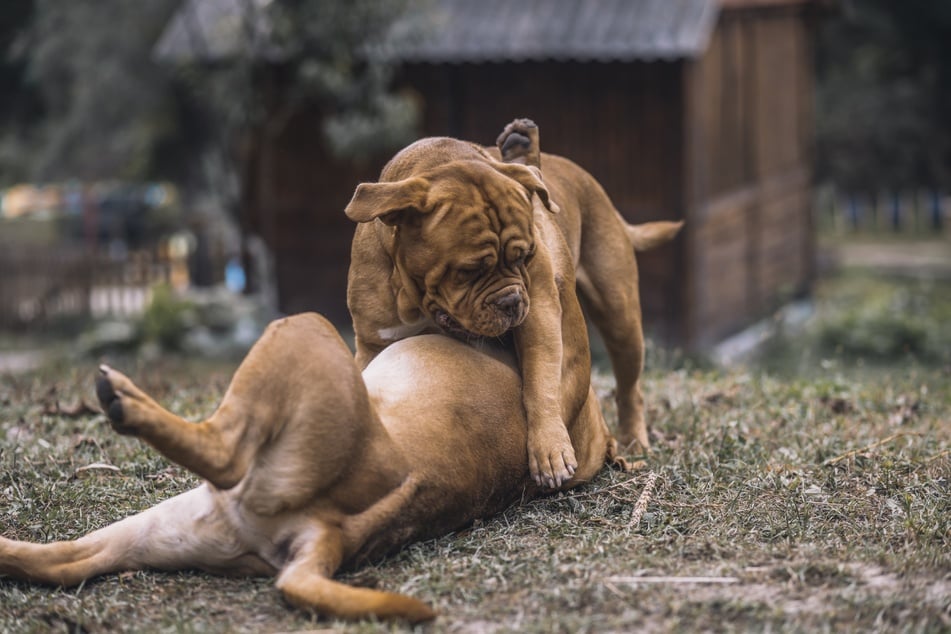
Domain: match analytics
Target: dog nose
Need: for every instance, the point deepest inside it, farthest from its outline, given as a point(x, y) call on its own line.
point(510, 302)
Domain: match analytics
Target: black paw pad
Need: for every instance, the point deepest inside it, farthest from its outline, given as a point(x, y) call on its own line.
point(515, 140)
point(108, 399)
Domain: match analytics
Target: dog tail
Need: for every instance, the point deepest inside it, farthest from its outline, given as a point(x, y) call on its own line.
point(648, 235)
point(303, 586)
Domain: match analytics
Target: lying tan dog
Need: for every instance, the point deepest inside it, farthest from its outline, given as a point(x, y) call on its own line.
point(310, 467)
point(453, 239)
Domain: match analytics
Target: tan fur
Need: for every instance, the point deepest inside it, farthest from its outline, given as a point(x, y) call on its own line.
point(412, 264)
point(310, 467)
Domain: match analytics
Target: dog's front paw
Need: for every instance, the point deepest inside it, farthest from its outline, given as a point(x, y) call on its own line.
point(551, 458)
point(116, 394)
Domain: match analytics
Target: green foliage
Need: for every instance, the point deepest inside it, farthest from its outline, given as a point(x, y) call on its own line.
point(868, 319)
point(19, 105)
point(165, 321)
point(390, 122)
point(320, 58)
point(880, 319)
point(877, 336)
point(101, 106)
point(883, 93)
point(319, 55)
point(337, 61)
point(105, 104)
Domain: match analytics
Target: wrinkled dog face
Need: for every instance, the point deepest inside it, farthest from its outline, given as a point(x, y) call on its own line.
point(469, 254)
point(465, 238)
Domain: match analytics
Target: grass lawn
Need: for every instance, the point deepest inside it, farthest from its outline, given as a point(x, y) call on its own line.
point(809, 500)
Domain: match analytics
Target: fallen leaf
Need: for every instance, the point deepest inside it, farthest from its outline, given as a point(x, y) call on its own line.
point(96, 468)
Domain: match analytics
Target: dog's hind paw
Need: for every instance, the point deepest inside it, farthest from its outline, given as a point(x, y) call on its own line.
point(114, 389)
point(108, 399)
point(519, 143)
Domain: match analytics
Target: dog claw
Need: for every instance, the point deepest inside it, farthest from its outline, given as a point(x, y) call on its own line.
point(556, 477)
point(552, 481)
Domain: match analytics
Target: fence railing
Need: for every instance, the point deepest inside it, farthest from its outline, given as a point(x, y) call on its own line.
point(911, 212)
point(39, 286)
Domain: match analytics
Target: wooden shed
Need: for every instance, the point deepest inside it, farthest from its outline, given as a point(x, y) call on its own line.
point(683, 109)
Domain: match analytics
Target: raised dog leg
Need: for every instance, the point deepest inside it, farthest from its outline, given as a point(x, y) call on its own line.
point(270, 415)
point(210, 449)
point(183, 532)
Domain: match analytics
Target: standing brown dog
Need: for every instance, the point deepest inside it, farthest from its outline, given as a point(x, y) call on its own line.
point(310, 467)
point(453, 239)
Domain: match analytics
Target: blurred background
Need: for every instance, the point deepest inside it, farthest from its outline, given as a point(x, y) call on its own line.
point(173, 173)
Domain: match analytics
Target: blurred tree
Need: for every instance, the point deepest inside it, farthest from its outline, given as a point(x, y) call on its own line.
point(90, 101)
point(103, 104)
point(293, 55)
point(19, 107)
point(883, 95)
point(84, 74)
point(337, 60)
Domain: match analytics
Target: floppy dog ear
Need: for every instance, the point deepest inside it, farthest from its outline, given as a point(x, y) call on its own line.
point(390, 202)
point(530, 177)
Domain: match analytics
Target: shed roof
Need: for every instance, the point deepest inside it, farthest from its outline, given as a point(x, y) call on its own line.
point(443, 31)
point(578, 30)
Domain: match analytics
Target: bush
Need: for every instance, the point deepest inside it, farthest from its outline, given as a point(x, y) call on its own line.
point(875, 336)
point(882, 319)
point(165, 321)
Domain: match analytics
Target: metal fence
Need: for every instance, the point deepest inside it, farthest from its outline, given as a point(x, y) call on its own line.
point(913, 212)
point(39, 286)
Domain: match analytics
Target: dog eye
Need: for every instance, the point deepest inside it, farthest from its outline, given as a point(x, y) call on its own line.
point(467, 275)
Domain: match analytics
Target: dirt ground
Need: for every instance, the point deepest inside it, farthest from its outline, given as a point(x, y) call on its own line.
point(921, 258)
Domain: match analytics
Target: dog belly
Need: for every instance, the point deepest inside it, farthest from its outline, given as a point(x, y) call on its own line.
point(457, 415)
point(205, 528)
